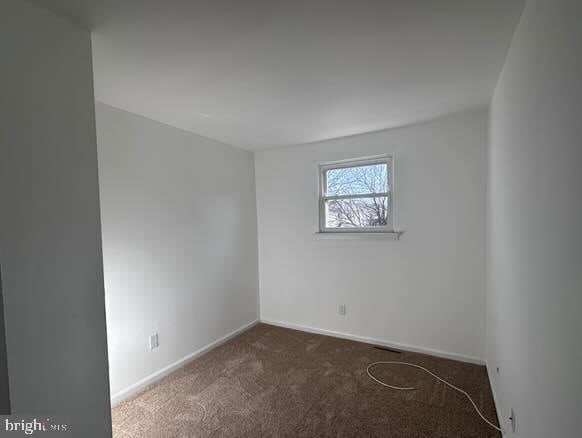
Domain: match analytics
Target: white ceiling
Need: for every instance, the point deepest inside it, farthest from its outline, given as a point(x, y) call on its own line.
point(267, 73)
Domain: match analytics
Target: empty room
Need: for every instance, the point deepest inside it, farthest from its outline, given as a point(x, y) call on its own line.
point(301, 218)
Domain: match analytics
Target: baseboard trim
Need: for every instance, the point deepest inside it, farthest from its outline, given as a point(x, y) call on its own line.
point(495, 400)
point(367, 340)
point(158, 375)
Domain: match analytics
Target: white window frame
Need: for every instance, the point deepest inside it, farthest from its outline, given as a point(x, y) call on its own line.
point(357, 162)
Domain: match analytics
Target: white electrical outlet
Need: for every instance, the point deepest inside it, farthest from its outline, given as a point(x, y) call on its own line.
point(342, 309)
point(153, 341)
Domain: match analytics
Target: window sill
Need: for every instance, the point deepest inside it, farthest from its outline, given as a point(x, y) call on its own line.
point(383, 235)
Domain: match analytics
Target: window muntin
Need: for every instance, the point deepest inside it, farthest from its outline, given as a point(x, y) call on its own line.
point(356, 196)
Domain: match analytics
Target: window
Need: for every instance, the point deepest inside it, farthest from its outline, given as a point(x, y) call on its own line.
point(356, 196)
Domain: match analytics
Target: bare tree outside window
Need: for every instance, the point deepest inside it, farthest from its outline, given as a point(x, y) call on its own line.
point(357, 197)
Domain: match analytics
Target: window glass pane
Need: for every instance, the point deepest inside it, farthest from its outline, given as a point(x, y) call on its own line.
point(357, 213)
point(357, 180)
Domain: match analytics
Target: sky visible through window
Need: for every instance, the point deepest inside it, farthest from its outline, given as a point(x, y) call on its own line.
point(361, 211)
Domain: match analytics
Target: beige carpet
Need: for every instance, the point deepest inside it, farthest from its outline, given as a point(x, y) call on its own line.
point(275, 382)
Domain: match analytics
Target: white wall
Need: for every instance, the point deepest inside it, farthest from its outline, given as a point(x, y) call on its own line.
point(50, 240)
point(426, 290)
point(535, 224)
point(179, 242)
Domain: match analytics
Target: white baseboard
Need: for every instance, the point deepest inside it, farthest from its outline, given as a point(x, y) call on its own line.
point(158, 375)
point(389, 344)
point(495, 400)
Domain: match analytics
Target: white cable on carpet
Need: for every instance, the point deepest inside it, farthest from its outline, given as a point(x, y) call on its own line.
point(436, 377)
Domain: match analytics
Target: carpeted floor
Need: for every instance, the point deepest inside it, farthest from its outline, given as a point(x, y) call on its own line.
point(276, 382)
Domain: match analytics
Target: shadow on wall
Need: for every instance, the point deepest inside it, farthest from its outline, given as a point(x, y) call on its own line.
point(4, 391)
